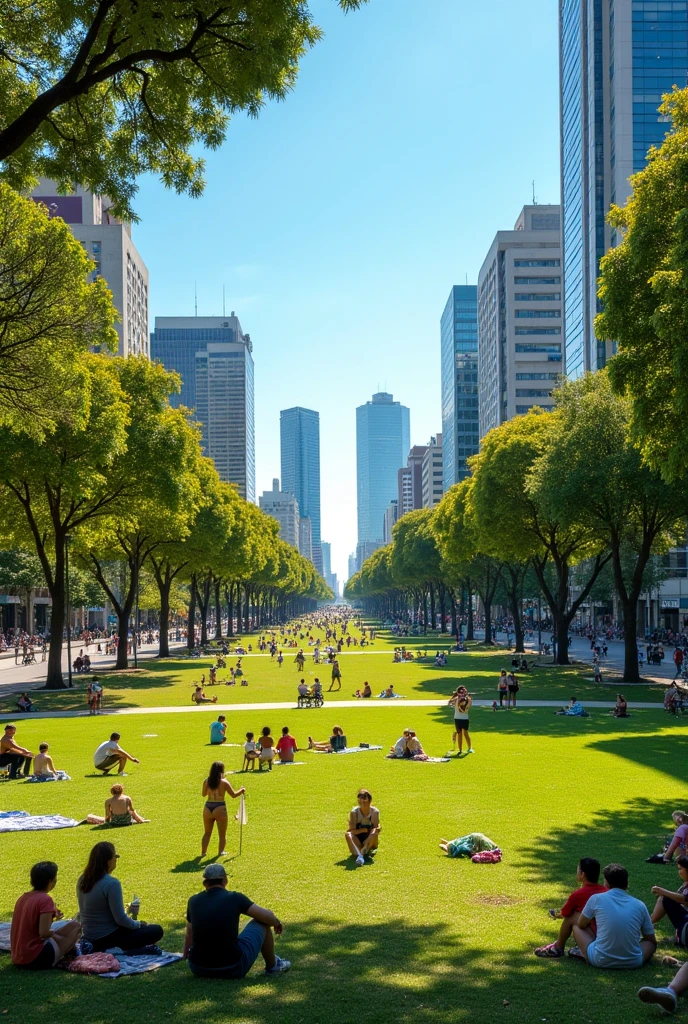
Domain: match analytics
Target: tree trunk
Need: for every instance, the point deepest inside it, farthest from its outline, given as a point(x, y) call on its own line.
point(229, 594)
point(238, 607)
point(432, 607)
point(443, 616)
point(164, 585)
point(218, 610)
point(631, 669)
point(454, 623)
point(54, 680)
point(487, 605)
point(247, 611)
point(191, 619)
point(203, 599)
point(123, 614)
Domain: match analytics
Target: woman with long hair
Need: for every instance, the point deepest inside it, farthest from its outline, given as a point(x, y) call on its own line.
point(104, 919)
point(215, 788)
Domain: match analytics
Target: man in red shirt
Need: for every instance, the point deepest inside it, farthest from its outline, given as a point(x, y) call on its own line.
point(678, 661)
point(33, 944)
point(286, 745)
point(588, 877)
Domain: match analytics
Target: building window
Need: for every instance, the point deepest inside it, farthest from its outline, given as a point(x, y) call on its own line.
point(542, 314)
point(535, 347)
point(532, 393)
point(537, 263)
point(520, 331)
point(537, 376)
point(538, 297)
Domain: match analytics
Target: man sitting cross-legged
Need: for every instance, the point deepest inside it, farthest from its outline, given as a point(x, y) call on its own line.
point(625, 934)
point(588, 879)
point(214, 946)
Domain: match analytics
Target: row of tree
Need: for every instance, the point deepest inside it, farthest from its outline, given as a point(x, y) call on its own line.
point(553, 500)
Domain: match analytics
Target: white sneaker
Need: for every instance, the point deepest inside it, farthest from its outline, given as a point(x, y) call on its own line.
point(280, 966)
point(360, 861)
point(666, 997)
point(471, 750)
point(121, 773)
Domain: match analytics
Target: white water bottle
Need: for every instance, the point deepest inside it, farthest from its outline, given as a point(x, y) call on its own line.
point(134, 906)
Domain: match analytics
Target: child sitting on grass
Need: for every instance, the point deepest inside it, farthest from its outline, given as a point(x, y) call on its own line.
point(588, 876)
point(250, 751)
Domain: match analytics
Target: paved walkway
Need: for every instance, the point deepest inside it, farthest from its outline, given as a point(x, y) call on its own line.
point(290, 706)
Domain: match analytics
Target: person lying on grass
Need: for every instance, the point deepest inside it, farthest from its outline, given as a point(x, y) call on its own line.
point(364, 827)
point(588, 876)
point(625, 935)
point(34, 944)
point(104, 919)
point(213, 946)
point(674, 905)
point(336, 742)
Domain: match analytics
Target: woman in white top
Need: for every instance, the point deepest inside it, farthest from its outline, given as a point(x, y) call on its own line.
point(462, 701)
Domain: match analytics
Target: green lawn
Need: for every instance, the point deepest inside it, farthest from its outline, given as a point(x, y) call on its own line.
point(414, 937)
point(170, 682)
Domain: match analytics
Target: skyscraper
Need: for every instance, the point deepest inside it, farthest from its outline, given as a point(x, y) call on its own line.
point(283, 507)
point(459, 354)
point(352, 566)
point(382, 444)
point(108, 242)
point(300, 457)
point(213, 357)
point(519, 318)
point(617, 58)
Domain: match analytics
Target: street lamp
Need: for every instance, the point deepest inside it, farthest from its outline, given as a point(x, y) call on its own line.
point(68, 539)
point(136, 626)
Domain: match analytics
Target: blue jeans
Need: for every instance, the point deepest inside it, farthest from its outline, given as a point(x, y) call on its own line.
point(250, 941)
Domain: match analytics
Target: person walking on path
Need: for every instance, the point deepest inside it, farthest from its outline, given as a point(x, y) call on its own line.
point(678, 661)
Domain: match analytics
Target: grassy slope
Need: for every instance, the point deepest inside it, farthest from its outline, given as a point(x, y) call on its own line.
point(414, 937)
point(170, 682)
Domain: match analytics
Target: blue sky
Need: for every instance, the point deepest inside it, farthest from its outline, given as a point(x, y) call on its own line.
point(339, 220)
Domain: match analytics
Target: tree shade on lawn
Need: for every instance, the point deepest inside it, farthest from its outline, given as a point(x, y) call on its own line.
point(427, 938)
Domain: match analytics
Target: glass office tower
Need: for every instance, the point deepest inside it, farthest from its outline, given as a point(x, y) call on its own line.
point(459, 370)
point(382, 444)
point(617, 59)
point(300, 456)
point(214, 359)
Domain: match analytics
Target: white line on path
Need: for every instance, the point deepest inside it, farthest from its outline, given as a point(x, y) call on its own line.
point(331, 707)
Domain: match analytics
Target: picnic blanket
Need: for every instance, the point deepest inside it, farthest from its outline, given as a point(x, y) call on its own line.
point(22, 821)
point(393, 696)
point(348, 750)
point(57, 777)
point(133, 964)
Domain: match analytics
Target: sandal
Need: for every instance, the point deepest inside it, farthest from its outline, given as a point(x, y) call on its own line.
point(576, 954)
point(551, 952)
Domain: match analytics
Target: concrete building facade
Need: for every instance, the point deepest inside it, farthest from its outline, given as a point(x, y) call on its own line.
point(300, 458)
point(520, 342)
point(382, 444)
point(108, 242)
point(617, 58)
point(283, 507)
point(432, 473)
point(390, 517)
point(215, 361)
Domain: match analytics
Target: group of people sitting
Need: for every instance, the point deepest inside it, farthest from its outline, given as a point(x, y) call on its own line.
point(401, 654)
point(82, 663)
point(25, 704)
point(408, 746)
point(262, 752)
point(675, 698)
point(304, 690)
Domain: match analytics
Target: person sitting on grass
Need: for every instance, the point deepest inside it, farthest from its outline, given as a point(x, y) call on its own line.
point(625, 935)
point(679, 840)
point(588, 876)
point(25, 703)
point(401, 745)
point(218, 731)
point(365, 692)
point(34, 944)
point(250, 751)
point(119, 810)
point(199, 696)
point(43, 763)
point(666, 997)
point(620, 709)
point(364, 828)
point(18, 758)
point(336, 742)
point(104, 919)
point(574, 708)
point(110, 754)
point(286, 746)
point(674, 905)
point(414, 749)
point(267, 749)
point(213, 945)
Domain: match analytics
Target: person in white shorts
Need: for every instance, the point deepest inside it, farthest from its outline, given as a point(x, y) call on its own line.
point(625, 933)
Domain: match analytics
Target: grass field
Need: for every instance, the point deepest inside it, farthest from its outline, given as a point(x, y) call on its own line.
point(170, 682)
point(414, 937)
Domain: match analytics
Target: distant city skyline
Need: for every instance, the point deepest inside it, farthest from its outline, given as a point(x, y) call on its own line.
point(382, 445)
point(300, 461)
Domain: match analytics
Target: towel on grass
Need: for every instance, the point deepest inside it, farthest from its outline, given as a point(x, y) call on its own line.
point(5, 936)
point(14, 814)
point(57, 777)
point(348, 750)
point(132, 964)
point(22, 821)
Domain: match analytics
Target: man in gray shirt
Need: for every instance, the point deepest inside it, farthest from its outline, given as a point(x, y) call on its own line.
point(625, 934)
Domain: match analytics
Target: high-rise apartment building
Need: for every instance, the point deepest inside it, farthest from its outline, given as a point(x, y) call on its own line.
point(108, 242)
point(329, 577)
point(283, 507)
point(389, 519)
point(617, 58)
point(300, 457)
point(459, 355)
point(432, 473)
point(215, 361)
point(520, 318)
point(382, 444)
point(306, 538)
point(404, 491)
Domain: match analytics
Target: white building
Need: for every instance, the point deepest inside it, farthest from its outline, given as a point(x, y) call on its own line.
point(390, 518)
point(283, 507)
point(108, 242)
point(432, 473)
point(520, 344)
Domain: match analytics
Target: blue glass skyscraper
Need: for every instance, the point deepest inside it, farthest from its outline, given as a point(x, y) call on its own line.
point(617, 59)
point(382, 445)
point(300, 456)
point(459, 356)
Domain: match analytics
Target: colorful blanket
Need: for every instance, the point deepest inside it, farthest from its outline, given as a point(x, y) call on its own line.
point(57, 777)
point(22, 821)
point(131, 964)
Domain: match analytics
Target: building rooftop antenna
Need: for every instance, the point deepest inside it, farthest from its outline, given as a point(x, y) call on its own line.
point(195, 298)
point(534, 196)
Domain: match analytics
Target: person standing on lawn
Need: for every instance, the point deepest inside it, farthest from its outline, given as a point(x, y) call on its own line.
point(588, 876)
point(336, 676)
point(215, 788)
point(462, 701)
point(213, 945)
point(625, 935)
